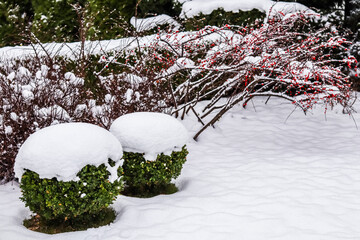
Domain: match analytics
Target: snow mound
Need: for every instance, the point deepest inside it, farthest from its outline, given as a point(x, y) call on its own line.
point(195, 7)
point(144, 24)
point(149, 133)
point(181, 63)
point(62, 150)
point(286, 8)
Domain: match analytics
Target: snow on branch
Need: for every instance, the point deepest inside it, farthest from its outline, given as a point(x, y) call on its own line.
point(277, 59)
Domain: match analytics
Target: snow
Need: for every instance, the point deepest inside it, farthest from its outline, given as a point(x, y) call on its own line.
point(11, 76)
point(181, 63)
point(14, 116)
point(8, 130)
point(56, 111)
point(24, 72)
point(44, 70)
point(195, 7)
point(27, 95)
point(145, 24)
point(128, 95)
point(73, 79)
point(62, 150)
point(252, 59)
point(149, 133)
point(257, 175)
point(134, 80)
point(68, 50)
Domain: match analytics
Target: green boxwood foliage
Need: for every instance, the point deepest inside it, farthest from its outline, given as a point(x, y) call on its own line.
point(148, 178)
point(76, 201)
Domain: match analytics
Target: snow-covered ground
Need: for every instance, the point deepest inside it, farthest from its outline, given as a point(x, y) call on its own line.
point(256, 176)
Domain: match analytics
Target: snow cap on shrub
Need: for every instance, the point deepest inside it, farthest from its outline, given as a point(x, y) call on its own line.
point(62, 150)
point(149, 133)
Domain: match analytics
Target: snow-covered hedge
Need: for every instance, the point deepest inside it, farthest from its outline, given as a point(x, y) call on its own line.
point(34, 95)
point(69, 172)
point(39, 92)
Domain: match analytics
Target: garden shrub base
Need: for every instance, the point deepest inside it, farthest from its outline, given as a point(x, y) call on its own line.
point(150, 191)
point(80, 223)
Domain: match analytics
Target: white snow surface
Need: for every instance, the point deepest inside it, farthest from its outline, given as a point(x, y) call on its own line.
point(149, 133)
point(255, 176)
point(180, 63)
point(69, 50)
point(195, 7)
point(62, 150)
point(144, 24)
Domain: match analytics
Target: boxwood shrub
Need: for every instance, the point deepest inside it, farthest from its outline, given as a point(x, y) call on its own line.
point(72, 201)
point(149, 178)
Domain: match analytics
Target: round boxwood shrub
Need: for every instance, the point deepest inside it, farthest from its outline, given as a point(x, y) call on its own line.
point(145, 178)
point(73, 201)
point(69, 175)
point(154, 152)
